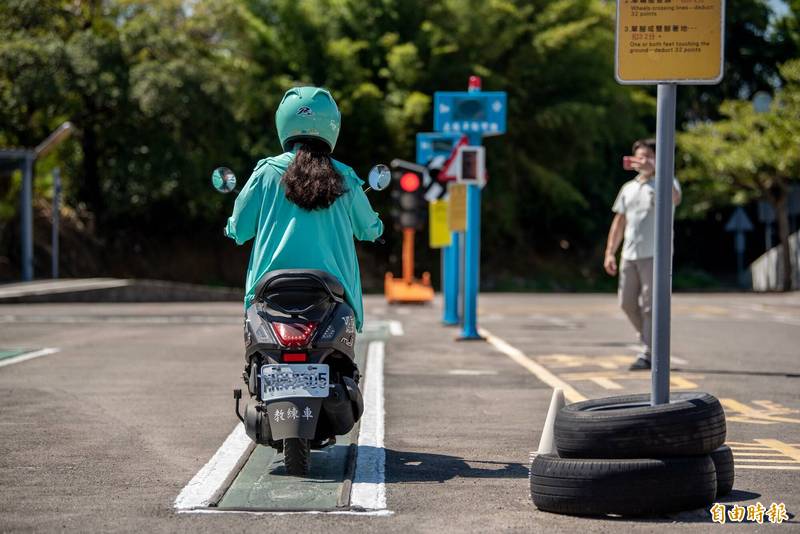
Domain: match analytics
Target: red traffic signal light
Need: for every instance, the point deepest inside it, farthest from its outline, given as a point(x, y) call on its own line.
point(410, 182)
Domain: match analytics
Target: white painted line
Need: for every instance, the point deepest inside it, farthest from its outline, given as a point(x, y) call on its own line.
point(368, 513)
point(28, 356)
point(777, 467)
point(396, 328)
point(208, 484)
point(536, 369)
point(132, 319)
point(471, 372)
point(368, 491)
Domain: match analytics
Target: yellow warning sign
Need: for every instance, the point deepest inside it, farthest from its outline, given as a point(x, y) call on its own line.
point(439, 230)
point(662, 41)
point(458, 207)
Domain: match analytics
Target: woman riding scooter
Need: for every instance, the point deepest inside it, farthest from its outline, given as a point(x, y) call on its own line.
point(303, 207)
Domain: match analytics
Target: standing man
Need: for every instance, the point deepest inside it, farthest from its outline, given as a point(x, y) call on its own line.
point(635, 221)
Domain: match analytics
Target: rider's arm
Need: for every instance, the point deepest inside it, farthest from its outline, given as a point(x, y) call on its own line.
point(243, 223)
point(367, 226)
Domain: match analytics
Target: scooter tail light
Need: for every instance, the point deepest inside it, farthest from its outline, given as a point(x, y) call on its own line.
point(295, 357)
point(294, 334)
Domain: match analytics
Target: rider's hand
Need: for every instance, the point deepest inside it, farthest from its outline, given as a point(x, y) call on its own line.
point(610, 264)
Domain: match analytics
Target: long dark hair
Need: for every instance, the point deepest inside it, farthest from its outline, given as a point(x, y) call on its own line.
point(311, 182)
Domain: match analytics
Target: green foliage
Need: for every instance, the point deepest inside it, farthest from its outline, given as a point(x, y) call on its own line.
point(747, 155)
point(164, 91)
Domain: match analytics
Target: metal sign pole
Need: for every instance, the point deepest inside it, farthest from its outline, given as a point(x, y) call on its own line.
point(56, 218)
point(26, 215)
point(662, 262)
point(451, 280)
point(472, 243)
point(472, 263)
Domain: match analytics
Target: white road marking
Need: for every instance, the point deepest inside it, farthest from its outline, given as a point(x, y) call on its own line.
point(396, 328)
point(368, 491)
point(28, 356)
point(773, 467)
point(130, 319)
point(371, 513)
point(536, 369)
point(208, 484)
point(471, 372)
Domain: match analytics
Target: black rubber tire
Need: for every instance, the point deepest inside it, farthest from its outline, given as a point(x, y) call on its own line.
point(624, 486)
point(693, 423)
point(723, 463)
point(297, 456)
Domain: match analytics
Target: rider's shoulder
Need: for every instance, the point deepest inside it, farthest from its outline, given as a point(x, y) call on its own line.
point(278, 163)
point(347, 172)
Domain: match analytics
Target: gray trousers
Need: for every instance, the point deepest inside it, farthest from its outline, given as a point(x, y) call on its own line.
point(636, 297)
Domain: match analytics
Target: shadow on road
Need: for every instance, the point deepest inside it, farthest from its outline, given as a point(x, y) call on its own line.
point(402, 466)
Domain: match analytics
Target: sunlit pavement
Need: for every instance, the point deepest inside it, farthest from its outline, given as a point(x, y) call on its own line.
point(105, 432)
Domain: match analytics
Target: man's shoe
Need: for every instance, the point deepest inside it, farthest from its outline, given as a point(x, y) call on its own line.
point(640, 364)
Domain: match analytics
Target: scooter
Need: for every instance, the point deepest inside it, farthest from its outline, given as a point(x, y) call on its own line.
point(300, 369)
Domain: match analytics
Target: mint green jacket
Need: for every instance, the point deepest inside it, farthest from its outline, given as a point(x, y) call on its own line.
point(289, 237)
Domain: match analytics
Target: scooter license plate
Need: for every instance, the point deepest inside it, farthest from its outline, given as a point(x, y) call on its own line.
point(294, 380)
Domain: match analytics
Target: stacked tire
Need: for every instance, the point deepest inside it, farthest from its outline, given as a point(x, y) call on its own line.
point(622, 456)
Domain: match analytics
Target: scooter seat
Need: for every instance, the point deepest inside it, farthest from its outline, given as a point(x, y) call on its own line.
point(302, 280)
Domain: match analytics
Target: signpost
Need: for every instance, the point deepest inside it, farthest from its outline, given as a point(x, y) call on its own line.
point(56, 220)
point(667, 42)
point(430, 147)
point(475, 114)
point(438, 227)
point(670, 41)
point(457, 213)
point(739, 223)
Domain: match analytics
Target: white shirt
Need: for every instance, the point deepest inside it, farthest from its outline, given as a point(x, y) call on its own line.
point(637, 202)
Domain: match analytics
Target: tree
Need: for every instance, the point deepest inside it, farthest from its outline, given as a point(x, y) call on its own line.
point(749, 155)
point(756, 43)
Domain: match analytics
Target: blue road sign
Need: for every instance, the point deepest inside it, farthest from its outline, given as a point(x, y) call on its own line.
point(470, 113)
point(432, 144)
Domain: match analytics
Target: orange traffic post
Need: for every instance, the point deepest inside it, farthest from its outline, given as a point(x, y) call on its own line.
point(408, 289)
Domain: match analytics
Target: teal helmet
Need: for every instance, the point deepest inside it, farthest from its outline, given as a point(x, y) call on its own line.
point(307, 112)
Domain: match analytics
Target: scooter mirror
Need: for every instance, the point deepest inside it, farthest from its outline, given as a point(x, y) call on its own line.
point(379, 177)
point(223, 180)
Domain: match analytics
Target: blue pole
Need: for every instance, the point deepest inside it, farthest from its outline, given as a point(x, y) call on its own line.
point(472, 263)
point(472, 245)
point(450, 283)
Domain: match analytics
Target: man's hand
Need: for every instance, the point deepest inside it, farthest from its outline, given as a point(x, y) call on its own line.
point(646, 166)
point(610, 264)
point(615, 235)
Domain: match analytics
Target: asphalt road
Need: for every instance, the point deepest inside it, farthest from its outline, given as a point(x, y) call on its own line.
point(104, 434)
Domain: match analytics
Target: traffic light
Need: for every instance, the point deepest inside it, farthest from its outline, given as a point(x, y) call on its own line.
point(410, 207)
point(409, 213)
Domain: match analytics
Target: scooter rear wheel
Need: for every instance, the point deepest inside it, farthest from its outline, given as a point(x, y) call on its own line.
point(297, 456)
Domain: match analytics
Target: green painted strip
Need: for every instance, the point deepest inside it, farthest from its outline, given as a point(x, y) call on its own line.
point(263, 484)
point(11, 353)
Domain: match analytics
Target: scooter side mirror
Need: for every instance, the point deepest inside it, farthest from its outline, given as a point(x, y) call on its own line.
point(223, 180)
point(379, 177)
